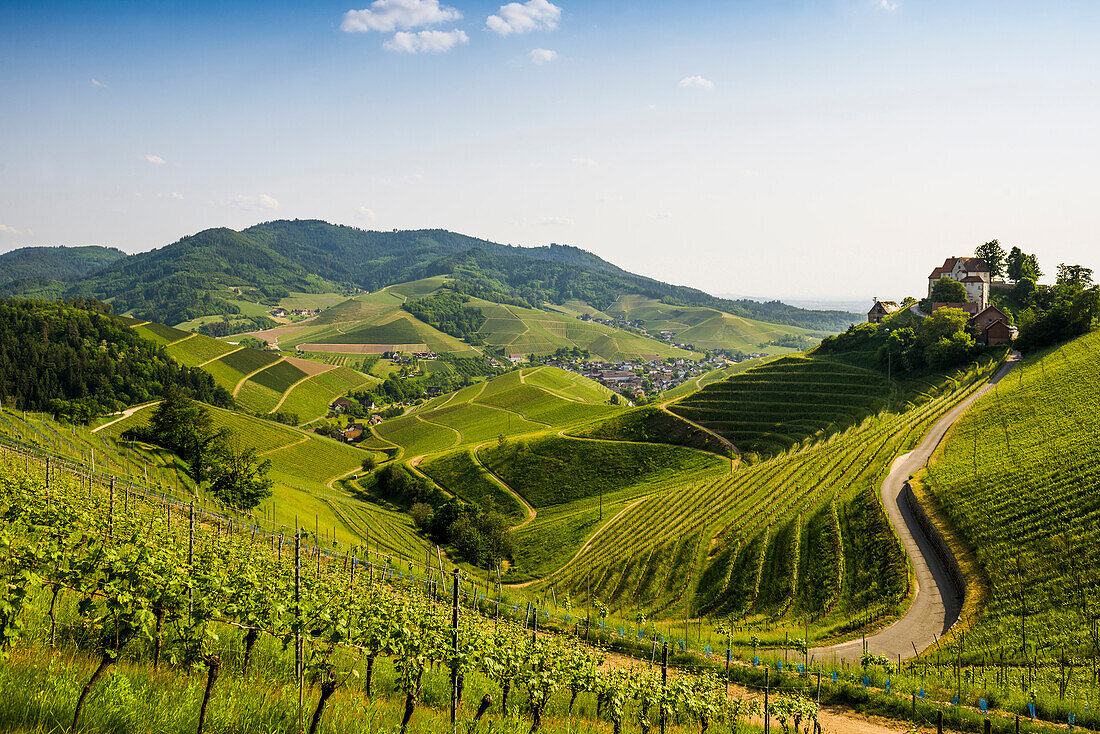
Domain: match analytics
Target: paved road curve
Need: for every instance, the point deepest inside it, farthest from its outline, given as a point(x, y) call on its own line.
point(938, 602)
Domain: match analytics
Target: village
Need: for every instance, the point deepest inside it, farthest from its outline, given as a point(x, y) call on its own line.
point(640, 379)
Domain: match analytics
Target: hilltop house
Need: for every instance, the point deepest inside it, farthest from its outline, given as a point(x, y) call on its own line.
point(881, 310)
point(972, 272)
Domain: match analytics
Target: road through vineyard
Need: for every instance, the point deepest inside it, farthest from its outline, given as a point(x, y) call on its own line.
point(938, 602)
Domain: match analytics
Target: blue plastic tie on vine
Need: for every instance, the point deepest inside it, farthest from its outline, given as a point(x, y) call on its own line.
point(1072, 720)
point(955, 700)
point(779, 665)
point(866, 682)
point(801, 668)
point(887, 685)
point(983, 705)
point(1031, 710)
point(682, 644)
point(756, 661)
point(921, 694)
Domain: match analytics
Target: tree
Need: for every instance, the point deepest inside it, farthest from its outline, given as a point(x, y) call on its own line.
point(182, 426)
point(1020, 265)
point(948, 290)
point(1029, 268)
point(1077, 275)
point(1012, 263)
point(944, 324)
point(994, 256)
point(235, 476)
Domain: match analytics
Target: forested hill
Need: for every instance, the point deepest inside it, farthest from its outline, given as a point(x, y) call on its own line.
point(191, 277)
point(48, 269)
point(77, 361)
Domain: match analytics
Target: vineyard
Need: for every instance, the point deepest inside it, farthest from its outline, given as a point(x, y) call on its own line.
point(1018, 478)
point(782, 404)
point(131, 581)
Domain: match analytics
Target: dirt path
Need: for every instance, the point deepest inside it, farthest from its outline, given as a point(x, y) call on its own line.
point(287, 391)
point(938, 601)
point(124, 415)
point(532, 513)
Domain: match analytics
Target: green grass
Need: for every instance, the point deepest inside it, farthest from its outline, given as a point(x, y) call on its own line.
point(1017, 477)
point(779, 405)
point(555, 470)
point(464, 476)
point(651, 424)
point(256, 398)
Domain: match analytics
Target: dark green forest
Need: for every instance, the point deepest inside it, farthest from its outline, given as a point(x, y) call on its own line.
point(450, 313)
point(77, 361)
point(46, 271)
point(191, 277)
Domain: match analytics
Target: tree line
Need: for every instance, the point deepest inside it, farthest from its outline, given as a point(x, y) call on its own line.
point(74, 359)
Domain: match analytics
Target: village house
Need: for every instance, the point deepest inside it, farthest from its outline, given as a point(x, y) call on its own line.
point(881, 310)
point(517, 358)
point(342, 405)
point(972, 272)
point(353, 432)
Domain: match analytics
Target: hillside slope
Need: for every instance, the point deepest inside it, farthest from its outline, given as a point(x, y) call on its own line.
point(1018, 478)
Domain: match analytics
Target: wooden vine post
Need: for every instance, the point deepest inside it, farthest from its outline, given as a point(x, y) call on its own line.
point(454, 649)
point(298, 669)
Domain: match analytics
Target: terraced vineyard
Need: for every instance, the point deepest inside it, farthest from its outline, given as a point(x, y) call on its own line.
point(800, 534)
point(1018, 476)
point(782, 404)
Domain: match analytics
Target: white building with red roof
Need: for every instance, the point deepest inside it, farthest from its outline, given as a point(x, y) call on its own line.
point(972, 272)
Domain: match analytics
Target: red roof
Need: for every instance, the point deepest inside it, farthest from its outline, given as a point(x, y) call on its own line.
point(973, 279)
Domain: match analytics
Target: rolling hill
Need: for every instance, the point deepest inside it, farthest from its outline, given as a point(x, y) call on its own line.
point(202, 274)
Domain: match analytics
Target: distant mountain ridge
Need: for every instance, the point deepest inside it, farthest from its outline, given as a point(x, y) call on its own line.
point(46, 270)
point(192, 277)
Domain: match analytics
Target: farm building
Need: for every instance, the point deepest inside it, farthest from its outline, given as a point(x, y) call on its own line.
point(881, 310)
point(993, 327)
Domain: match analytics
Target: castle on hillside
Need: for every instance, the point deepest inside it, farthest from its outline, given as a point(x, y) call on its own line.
point(972, 272)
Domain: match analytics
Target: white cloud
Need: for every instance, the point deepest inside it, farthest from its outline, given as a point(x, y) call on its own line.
point(533, 15)
point(391, 15)
point(585, 162)
point(651, 107)
point(886, 4)
point(427, 41)
point(156, 160)
point(97, 83)
point(542, 55)
point(9, 230)
point(556, 222)
point(365, 214)
point(259, 202)
point(696, 82)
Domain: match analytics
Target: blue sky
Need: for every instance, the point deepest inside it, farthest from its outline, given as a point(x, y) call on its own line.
point(799, 149)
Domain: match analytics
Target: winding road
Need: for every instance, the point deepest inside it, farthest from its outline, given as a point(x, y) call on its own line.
point(938, 600)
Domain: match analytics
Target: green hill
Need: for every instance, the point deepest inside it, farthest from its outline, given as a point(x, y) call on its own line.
point(1017, 477)
point(42, 272)
point(709, 328)
point(204, 274)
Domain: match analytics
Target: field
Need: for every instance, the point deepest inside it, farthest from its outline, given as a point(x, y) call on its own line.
point(472, 482)
point(707, 328)
point(160, 333)
point(520, 330)
point(1017, 476)
point(782, 404)
point(303, 467)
